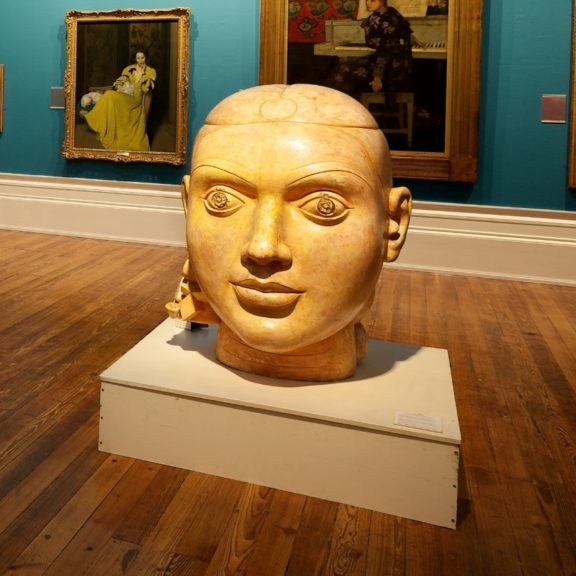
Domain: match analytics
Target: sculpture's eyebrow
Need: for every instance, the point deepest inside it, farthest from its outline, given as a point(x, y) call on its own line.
point(237, 172)
point(320, 168)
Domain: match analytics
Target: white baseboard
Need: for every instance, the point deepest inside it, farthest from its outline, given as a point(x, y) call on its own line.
point(125, 211)
point(513, 243)
point(521, 244)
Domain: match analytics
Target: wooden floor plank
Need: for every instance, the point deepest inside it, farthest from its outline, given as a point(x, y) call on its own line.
point(386, 546)
point(274, 546)
point(424, 554)
point(58, 533)
point(313, 540)
point(23, 490)
point(33, 520)
point(158, 546)
point(239, 541)
point(349, 546)
point(214, 517)
point(114, 559)
point(85, 547)
point(142, 519)
point(461, 552)
point(25, 431)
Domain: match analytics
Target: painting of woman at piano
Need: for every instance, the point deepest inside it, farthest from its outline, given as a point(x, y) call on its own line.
point(388, 54)
point(389, 67)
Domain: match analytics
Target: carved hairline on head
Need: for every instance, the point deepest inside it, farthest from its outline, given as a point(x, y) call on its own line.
point(305, 104)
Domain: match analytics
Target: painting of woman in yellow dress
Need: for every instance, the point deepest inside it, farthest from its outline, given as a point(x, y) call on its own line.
point(119, 117)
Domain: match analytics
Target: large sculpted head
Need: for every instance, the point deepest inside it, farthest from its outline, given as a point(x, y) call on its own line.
point(290, 216)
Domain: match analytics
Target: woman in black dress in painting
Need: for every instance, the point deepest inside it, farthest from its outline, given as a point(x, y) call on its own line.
point(389, 67)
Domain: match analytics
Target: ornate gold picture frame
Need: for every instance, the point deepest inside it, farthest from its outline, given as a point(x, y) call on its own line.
point(1, 97)
point(126, 85)
point(459, 160)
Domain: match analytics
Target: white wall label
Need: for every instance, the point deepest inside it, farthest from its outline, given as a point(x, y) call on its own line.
point(418, 421)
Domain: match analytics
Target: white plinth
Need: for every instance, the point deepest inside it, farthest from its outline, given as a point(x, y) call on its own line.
point(386, 439)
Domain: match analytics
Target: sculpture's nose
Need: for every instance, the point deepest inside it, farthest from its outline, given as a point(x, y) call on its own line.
point(265, 246)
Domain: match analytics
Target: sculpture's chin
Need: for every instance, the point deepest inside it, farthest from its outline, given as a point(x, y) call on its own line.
point(295, 325)
point(276, 336)
point(333, 358)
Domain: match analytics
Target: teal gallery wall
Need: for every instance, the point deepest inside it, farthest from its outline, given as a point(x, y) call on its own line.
point(523, 162)
point(223, 59)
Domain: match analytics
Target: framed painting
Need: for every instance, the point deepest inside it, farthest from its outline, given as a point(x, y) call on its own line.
point(1, 97)
point(126, 85)
point(572, 128)
point(429, 118)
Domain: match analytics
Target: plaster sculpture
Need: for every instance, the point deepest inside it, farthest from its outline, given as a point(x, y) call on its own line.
point(290, 214)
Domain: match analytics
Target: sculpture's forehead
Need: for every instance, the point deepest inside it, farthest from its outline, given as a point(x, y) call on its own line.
point(277, 147)
point(298, 103)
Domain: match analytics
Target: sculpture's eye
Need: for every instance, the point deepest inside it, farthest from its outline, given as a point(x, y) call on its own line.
point(324, 208)
point(220, 201)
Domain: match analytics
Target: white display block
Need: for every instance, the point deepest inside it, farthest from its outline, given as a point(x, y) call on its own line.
point(386, 439)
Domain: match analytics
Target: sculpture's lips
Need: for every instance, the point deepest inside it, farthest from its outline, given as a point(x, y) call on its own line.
point(255, 294)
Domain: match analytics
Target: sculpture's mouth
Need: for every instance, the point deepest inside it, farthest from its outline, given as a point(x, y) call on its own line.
point(266, 298)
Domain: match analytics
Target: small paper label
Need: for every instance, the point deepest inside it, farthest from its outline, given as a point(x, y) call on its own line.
point(418, 421)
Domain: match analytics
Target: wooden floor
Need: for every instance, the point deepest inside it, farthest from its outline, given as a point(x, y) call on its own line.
point(69, 307)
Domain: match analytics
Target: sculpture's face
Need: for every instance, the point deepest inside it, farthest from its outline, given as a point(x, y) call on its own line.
point(285, 230)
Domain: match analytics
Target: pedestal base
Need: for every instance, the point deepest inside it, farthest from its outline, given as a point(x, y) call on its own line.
point(386, 439)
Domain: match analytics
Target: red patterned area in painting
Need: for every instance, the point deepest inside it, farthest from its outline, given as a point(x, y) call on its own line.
point(307, 18)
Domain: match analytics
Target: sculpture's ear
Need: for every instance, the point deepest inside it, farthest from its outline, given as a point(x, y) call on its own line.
point(185, 191)
point(399, 209)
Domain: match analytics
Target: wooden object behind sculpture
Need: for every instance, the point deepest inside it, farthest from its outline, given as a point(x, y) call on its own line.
point(290, 215)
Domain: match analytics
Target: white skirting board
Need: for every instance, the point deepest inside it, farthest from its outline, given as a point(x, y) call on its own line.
point(124, 211)
point(511, 243)
point(387, 439)
point(521, 244)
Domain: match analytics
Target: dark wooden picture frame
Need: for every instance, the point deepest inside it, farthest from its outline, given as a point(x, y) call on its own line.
point(459, 161)
point(572, 126)
point(1, 97)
